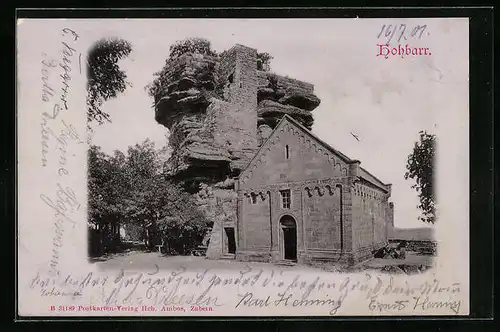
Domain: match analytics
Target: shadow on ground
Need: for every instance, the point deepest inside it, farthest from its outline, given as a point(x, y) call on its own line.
point(125, 249)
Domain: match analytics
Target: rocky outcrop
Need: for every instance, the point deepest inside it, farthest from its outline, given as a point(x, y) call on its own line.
point(181, 106)
point(204, 134)
point(278, 95)
point(188, 87)
point(299, 99)
point(270, 112)
point(219, 110)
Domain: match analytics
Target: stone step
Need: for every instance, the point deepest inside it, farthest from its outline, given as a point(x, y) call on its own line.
point(286, 263)
point(228, 256)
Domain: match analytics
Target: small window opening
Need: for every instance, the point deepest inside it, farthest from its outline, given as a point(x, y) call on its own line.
point(231, 78)
point(285, 199)
point(287, 152)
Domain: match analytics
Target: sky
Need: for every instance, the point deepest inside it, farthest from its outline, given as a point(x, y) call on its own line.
point(385, 102)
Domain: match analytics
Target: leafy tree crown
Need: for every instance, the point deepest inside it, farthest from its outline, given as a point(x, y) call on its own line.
point(191, 45)
point(105, 79)
point(420, 167)
point(264, 61)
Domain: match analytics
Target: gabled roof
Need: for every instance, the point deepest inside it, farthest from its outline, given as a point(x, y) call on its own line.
point(286, 118)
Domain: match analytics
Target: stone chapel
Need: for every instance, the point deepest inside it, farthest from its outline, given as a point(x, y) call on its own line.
point(300, 200)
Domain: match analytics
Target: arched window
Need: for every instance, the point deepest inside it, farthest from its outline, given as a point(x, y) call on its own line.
point(329, 189)
point(287, 152)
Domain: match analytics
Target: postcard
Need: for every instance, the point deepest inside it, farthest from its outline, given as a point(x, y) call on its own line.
point(243, 167)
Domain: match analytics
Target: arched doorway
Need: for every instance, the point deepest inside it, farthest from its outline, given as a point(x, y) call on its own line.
point(289, 238)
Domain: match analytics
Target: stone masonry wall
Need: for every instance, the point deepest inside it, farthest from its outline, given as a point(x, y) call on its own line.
point(322, 212)
point(307, 161)
point(256, 207)
point(241, 130)
point(369, 206)
point(332, 250)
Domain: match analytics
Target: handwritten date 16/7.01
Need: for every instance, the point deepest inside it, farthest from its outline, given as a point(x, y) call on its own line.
point(402, 32)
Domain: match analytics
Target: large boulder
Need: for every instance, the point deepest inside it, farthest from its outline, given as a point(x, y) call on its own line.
point(269, 93)
point(271, 112)
point(194, 103)
point(177, 95)
point(186, 82)
point(188, 86)
point(266, 93)
point(300, 99)
point(270, 108)
point(172, 107)
point(187, 125)
point(201, 151)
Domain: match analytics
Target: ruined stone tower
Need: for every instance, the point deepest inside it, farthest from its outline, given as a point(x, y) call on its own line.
point(219, 110)
point(238, 130)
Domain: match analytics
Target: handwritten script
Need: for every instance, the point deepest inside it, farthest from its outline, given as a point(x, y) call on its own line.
point(402, 32)
point(57, 135)
point(49, 92)
point(255, 288)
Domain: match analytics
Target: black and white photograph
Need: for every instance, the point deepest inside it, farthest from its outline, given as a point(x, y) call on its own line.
point(243, 167)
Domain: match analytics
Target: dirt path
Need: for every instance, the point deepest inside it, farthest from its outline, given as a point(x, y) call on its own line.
point(135, 261)
point(150, 261)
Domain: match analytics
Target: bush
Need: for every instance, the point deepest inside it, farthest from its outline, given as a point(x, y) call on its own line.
point(191, 45)
point(273, 82)
point(264, 61)
point(202, 46)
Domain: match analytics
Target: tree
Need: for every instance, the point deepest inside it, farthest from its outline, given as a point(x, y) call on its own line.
point(106, 191)
point(141, 168)
point(160, 206)
point(420, 166)
point(169, 213)
point(105, 184)
point(132, 190)
point(105, 79)
point(264, 61)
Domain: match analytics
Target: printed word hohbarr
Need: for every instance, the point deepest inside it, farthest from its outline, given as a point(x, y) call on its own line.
point(401, 50)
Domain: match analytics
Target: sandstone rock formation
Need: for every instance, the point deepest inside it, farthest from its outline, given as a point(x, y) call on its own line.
point(278, 95)
point(218, 111)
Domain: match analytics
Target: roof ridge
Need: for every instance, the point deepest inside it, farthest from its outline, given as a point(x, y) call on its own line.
point(334, 150)
point(291, 120)
point(263, 143)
